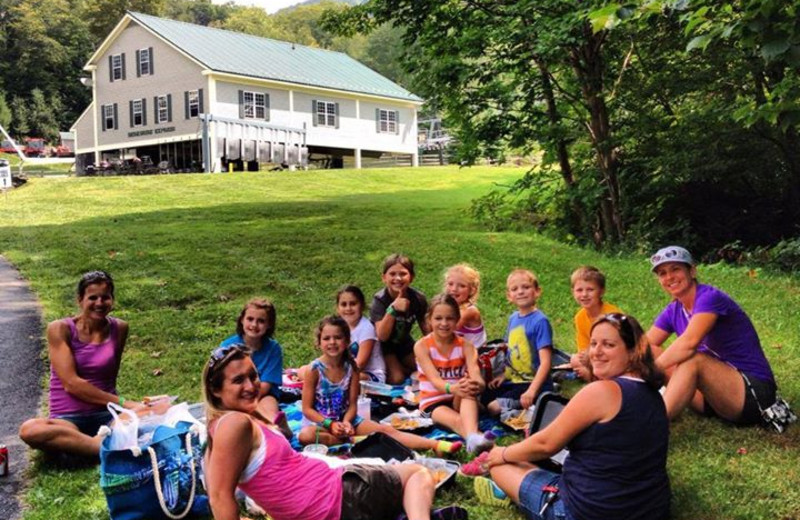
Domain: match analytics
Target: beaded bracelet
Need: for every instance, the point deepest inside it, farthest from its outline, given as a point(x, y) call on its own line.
point(447, 388)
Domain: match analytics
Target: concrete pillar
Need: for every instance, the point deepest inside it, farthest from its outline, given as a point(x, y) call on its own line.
point(357, 152)
point(415, 159)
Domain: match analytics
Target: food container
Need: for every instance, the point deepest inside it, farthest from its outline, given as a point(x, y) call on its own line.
point(443, 470)
point(372, 387)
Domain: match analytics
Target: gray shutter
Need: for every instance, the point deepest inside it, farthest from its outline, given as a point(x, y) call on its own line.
point(116, 118)
point(130, 108)
point(241, 104)
point(200, 101)
point(169, 108)
point(138, 63)
point(152, 69)
point(378, 120)
point(336, 112)
point(123, 65)
point(155, 110)
point(103, 117)
point(186, 104)
point(397, 122)
point(266, 107)
point(144, 111)
point(111, 69)
point(314, 112)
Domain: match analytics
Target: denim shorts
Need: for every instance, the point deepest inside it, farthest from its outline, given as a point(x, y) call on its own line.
point(88, 423)
point(532, 497)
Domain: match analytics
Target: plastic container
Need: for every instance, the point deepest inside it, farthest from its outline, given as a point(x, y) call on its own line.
point(372, 387)
point(321, 449)
point(365, 407)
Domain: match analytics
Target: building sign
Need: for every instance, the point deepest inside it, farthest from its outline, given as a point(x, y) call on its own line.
point(152, 131)
point(5, 175)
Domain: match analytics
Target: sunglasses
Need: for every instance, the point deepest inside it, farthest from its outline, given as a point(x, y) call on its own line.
point(222, 354)
point(621, 320)
point(669, 253)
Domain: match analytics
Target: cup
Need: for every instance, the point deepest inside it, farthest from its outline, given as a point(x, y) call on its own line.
point(316, 448)
point(365, 408)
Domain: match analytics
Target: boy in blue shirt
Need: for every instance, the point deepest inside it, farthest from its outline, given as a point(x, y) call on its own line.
point(530, 348)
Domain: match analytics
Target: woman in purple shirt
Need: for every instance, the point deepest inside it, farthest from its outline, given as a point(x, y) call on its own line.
point(85, 353)
point(716, 364)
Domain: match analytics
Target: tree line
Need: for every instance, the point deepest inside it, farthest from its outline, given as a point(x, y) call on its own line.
point(657, 120)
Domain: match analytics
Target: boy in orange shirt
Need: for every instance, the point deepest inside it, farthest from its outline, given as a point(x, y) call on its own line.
point(588, 287)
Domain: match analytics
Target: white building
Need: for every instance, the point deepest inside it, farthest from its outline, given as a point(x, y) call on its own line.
point(205, 98)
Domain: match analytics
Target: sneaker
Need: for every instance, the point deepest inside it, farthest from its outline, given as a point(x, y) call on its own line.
point(490, 494)
point(477, 467)
point(477, 443)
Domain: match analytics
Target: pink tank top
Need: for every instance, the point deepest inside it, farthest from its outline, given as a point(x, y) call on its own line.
point(97, 363)
point(290, 486)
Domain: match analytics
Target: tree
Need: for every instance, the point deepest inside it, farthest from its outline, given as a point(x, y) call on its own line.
point(104, 15)
point(5, 111)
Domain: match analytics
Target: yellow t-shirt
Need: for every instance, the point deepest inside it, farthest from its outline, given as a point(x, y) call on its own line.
point(583, 325)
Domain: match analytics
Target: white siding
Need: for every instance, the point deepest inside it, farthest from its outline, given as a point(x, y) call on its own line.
point(84, 131)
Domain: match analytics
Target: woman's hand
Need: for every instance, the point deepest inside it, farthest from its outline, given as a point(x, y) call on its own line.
point(495, 457)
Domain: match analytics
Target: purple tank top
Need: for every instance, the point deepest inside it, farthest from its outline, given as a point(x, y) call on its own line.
point(97, 363)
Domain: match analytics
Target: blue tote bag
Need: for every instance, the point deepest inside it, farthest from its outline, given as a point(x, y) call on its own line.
point(159, 481)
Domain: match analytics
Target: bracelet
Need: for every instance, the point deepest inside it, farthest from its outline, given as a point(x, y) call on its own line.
point(390, 310)
point(447, 388)
point(503, 455)
point(121, 400)
point(327, 424)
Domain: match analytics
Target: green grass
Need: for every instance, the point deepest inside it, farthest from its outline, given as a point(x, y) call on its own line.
point(188, 250)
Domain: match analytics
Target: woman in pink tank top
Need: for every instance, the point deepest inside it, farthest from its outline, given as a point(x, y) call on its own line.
point(85, 353)
point(246, 451)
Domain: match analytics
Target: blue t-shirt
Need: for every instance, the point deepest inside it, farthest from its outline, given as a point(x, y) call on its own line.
point(732, 339)
point(268, 361)
point(525, 336)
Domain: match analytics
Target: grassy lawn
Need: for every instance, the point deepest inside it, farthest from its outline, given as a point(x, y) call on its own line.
point(188, 250)
point(40, 167)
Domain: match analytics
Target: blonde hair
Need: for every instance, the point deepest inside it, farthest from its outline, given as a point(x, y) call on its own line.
point(526, 273)
point(588, 273)
point(471, 274)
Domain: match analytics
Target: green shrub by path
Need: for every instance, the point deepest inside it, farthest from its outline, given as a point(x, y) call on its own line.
point(188, 250)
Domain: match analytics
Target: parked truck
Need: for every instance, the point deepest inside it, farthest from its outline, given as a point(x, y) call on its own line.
point(35, 147)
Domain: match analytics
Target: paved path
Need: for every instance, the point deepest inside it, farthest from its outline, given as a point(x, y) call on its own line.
point(20, 373)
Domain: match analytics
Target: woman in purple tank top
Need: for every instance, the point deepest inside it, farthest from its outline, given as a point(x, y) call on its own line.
point(85, 353)
point(246, 451)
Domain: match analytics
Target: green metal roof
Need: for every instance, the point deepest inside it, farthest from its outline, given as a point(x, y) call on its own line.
point(256, 57)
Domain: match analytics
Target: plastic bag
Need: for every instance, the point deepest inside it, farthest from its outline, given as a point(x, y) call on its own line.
point(124, 428)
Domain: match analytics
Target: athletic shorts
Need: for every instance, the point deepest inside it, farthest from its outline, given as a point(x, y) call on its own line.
point(371, 493)
point(88, 423)
point(532, 497)
point(751, 414)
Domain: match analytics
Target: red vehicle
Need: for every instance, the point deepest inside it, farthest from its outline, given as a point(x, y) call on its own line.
point(7, 147)
point(34, 147)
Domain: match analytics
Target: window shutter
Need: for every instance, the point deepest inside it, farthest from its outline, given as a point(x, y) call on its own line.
point(314, 112)
point(130, 107)
point(111, 69)
point(116, 118)
point(103, 117)
point(155, 110)
point(150, 51)
point(144, 112)
point(186, 104)
point(123, 65)
point(266, 107)
point(336, 112)
point(241, 104)
point(169, 108)
point(200, 101)
point(138, 63)
point(378, 120)
point(397, 122)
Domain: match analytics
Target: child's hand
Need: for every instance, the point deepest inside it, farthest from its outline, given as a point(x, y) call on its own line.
point(497, 381)
point(527, 399)
point(581, 366)
point(468, 387)
point(401, 303)
point(339, 429)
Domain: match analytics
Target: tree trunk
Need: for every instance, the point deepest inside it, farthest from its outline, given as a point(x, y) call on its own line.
point(555, 120)
point(587, 62)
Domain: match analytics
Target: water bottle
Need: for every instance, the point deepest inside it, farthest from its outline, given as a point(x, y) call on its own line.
point(365, 407)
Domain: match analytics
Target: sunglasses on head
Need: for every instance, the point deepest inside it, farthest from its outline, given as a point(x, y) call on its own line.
point(669, 253)
point(625, 326)
point(223, 353)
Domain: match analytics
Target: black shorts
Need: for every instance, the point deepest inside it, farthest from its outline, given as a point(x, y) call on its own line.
point(751, 414)
point(371, 493)
point(401, 350)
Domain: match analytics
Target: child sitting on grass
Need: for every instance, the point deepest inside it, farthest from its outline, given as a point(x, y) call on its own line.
point(463, 283)
point(449, 378)
point(530, 348)
point(254, 329)
point(588, 287)
point(330, 396)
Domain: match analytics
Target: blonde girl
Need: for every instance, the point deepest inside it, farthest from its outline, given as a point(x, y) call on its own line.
point(463, 283)
point(449, 378)
point(330, 394)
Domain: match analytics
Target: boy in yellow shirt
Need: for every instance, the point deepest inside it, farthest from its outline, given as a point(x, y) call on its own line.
point(588, 287)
